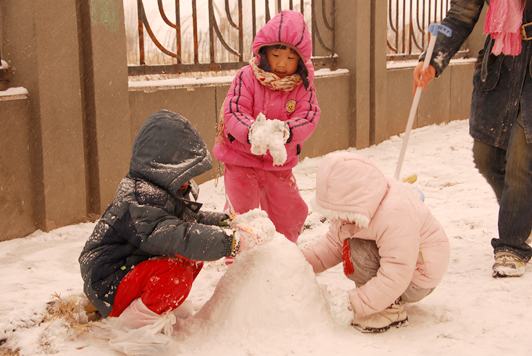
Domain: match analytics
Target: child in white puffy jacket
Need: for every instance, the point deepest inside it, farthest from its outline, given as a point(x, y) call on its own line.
point(390, 244)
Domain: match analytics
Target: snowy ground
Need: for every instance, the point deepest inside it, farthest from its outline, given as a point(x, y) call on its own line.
point(270, 303)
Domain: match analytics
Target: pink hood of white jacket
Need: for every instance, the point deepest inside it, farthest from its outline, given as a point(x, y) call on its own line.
point(353, 193)
point(247, 98)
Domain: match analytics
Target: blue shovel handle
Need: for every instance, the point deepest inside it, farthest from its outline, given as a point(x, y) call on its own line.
point(435, 28)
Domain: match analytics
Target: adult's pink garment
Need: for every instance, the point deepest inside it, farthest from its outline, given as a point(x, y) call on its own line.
point(247, 97)
point(362, 203)
point(503, 24)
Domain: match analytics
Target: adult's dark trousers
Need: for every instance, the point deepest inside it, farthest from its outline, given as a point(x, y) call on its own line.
point(509, 172)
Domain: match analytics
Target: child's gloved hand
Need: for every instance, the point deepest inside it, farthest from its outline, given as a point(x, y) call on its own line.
point(247, 240)
point(226, 223)
point(269, 135)
point(341, 308)
point(259, 135)
point(283, 127)
point(243, 239)
point(276, 144)
point(250, 238)
point(252, 230)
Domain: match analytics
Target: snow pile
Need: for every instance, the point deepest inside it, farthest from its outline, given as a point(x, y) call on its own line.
point(268, 296)
point(269, 135)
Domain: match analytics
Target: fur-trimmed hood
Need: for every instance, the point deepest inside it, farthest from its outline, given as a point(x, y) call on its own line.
point(349, 187)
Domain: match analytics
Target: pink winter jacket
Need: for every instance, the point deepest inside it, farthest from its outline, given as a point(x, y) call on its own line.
point(362, 203)
point(247, 97)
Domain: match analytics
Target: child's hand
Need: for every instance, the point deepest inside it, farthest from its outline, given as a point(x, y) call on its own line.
point(258, 136)
point(252, 229)
point(248, 239)
point(284, 128)
point(277, 148)
point(269, 135)
point(341, 308)
point(226, 223)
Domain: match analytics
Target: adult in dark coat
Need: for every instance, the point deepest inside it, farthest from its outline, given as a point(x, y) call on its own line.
point(501, 116)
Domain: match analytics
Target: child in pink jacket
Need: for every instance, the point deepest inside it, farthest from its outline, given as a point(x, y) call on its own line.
point(390, 244)
point(274, 91)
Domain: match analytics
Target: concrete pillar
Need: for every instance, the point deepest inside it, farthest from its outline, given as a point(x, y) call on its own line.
point(105, 83)
point(379, 73)
point(41, 46)
point(353, 39)
point(361, 44)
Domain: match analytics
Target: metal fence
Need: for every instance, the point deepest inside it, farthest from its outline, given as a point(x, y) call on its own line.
point(214, 35)
point(408, 23)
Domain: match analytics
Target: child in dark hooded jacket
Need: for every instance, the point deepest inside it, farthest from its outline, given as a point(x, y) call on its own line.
point(150, 243)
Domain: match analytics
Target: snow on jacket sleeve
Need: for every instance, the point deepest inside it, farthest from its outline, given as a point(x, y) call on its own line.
point(211, 217)
point(238, 107)
point(162, 234)
point(461, 19)
point(306, 115)
point(324, 254)
point(398, 250)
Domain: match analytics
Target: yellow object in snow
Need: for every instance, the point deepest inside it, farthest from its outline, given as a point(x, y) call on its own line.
point(411, 179)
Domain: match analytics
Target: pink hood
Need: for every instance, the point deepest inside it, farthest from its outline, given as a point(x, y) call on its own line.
point(287, 27)
point(247, 98)
point(349, 187)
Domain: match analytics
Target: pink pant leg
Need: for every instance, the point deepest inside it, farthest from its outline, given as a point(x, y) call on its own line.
point(286, 208)
point(242, 189)
point(275, 192)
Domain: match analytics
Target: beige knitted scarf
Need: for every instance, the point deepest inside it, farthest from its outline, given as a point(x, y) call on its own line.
point(273, 81)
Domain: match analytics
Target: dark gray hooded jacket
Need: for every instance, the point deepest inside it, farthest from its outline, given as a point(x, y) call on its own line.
point(150, 216)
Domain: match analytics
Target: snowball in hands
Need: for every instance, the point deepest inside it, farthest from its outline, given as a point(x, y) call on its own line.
point(269, 135)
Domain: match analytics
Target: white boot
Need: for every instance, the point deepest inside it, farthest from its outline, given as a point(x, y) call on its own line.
point(394, 315)
point(140, 331)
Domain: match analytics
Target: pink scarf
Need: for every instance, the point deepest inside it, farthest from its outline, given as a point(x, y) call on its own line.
point(273, 81)
point(503, 24)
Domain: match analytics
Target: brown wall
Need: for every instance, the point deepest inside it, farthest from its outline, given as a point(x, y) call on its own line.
point(17, 194)
point(67, 144)
point(41, 45)
point(447, 98)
